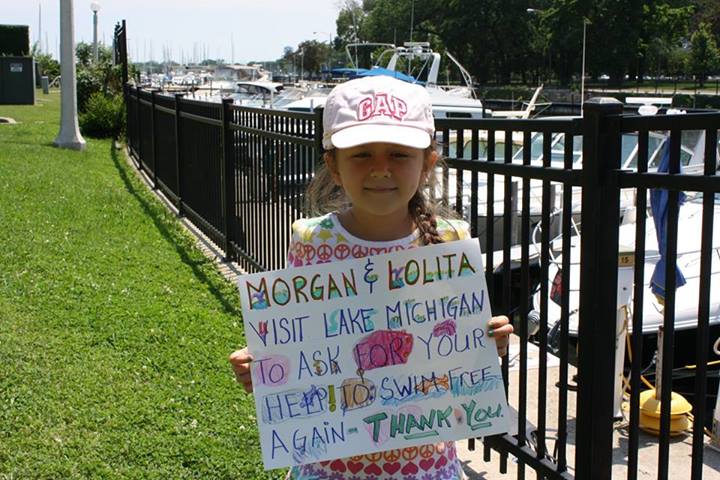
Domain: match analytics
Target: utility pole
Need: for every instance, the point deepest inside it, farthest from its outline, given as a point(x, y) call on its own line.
point(69, 136)
point(39, 37)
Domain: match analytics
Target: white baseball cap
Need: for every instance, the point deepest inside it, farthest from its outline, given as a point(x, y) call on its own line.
point(377, 109)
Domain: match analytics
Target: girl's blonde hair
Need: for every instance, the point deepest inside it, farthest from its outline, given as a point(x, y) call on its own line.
point(323, 197)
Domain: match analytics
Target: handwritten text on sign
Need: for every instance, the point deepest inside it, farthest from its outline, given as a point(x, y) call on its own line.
point(372, 354)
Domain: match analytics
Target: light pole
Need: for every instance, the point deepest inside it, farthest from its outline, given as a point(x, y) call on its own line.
point(69, 136)
point(95, 7)
point(582, 79)
point(329, 46)
point(302, 64)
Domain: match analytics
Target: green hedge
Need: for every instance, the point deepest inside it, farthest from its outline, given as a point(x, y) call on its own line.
point(696, 101)
point(103, 116)
point(15, 40)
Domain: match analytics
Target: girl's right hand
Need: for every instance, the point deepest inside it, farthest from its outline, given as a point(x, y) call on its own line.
point(240, 361)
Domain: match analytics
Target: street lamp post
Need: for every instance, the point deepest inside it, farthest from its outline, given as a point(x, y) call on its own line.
point(329, 46)
point(95, 7)
point(302, 64)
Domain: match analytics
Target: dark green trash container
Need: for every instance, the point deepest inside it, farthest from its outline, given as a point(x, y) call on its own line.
point(17, 81)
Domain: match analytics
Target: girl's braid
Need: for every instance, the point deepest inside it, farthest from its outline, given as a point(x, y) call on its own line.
point(425, 219)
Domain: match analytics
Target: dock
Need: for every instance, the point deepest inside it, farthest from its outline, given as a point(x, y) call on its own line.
point(680, 446)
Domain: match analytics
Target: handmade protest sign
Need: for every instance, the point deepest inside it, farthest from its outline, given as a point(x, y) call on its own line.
point(372, 354)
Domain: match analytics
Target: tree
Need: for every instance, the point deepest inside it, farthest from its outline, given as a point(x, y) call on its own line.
point(48, 65)
point(664, 26)
point(708, 11)
point(350, 22)
point(489, 38)
point(314, 54)
point(500, 40)
point(704, 56)
point(84, 54)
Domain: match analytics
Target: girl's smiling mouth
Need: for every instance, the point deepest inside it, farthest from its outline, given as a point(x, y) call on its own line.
point(380, 189)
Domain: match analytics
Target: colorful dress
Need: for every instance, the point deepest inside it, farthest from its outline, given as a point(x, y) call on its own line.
point(324, 239)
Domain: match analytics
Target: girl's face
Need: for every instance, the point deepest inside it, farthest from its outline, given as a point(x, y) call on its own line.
point(379, 179)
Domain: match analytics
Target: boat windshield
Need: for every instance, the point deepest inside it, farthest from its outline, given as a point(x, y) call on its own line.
point(628, 149)
point(691, 151)
point(557, 150)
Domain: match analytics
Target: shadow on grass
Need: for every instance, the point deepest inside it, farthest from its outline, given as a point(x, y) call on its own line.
point(158, 215)
point(29, 143)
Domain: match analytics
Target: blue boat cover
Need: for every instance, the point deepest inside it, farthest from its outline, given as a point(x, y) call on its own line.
point(376, 71)
point(659, 204)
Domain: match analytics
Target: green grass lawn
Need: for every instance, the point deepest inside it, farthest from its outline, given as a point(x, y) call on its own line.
point(114, 329)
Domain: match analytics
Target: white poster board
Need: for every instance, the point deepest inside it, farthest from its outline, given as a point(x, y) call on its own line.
point(372, 354)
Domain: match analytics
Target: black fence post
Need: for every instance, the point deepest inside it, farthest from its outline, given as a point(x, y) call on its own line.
point(598, 288)
point(153, 132)
point(138, 127)
point(227, 179)
point(318, 133)
point(123, 53)
point(126, 99)
point(178, 153)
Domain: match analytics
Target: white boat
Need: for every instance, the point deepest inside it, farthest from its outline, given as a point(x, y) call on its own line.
point(688, 261)
point(525, 112)
point(226, 77)
point(256, 93)
point(691, 158)
point(686, 301)
point(448, 101)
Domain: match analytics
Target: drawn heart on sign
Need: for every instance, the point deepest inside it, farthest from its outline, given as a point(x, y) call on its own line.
point(338, 466)
point(372, 469)
point(427, 463)
point(441, 462)
point(409, 469)
point(354, 467)
point(391, 467)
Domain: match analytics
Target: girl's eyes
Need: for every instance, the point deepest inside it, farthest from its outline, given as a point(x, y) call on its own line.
point(366, 155)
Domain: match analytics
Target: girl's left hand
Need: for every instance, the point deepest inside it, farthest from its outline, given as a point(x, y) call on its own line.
point(500, 329)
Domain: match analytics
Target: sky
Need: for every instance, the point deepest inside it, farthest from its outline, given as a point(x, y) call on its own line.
point(252, 30)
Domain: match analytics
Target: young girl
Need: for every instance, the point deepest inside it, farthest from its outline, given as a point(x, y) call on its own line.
point(375, 184)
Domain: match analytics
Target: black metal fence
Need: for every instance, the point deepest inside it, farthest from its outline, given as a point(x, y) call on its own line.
point(239, 174)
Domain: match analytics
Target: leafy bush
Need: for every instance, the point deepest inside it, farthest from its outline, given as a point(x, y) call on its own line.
point(696, 101)
point(89, 81)
point(48, 65)
point(101, 76)
point(103, 116)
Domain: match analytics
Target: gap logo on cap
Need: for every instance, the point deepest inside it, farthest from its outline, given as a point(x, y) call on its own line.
point(381, 104)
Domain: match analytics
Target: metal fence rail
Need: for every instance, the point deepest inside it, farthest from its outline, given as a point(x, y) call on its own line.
point(274, 159)
point(240, 174)
point(513, 176)
point(706, 182)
